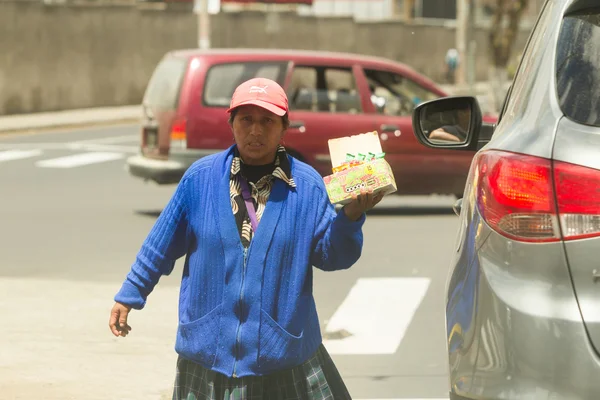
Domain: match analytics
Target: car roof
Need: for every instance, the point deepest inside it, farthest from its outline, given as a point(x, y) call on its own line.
point(258, 54)
point(283, 53)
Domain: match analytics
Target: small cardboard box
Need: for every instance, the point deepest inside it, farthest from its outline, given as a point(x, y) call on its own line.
point(375, 174)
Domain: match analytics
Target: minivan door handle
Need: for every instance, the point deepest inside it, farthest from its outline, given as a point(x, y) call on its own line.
point(385, 129)
point(390, 128)
point(297, 125)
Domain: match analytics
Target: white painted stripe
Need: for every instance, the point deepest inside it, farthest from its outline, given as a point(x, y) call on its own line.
point(18, 154)
point(78, 160)
point(376, 313)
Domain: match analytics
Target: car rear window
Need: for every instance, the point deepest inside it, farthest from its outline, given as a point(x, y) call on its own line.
point(222, 79)
point(163, 89)
point(578, 67)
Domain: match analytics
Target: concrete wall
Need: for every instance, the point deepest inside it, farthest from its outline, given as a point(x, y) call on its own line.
point(60, 57)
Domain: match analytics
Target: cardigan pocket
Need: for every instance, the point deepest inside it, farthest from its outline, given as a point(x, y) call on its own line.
point(278, 348)
point(197, 340)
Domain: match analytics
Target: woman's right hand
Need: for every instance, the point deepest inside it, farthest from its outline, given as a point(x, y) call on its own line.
point(118, 320)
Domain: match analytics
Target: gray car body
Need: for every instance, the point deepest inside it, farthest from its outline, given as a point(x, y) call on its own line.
point(515, 311)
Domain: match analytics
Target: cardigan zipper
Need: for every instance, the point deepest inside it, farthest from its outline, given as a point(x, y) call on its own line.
point(238, 335)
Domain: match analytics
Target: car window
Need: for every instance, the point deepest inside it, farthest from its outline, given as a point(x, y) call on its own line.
point(222, 79)
point(163, 89)
point(324, 89)
point(578, 67)
point(394, 94)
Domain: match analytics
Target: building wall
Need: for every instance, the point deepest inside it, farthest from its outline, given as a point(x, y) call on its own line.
point(63, 57)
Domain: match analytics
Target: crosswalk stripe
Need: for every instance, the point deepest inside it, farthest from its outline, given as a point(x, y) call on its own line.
point(374, 316)
point(11, 155)
point(78, 160)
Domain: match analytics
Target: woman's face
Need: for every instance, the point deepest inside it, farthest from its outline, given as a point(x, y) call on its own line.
point(257, 133)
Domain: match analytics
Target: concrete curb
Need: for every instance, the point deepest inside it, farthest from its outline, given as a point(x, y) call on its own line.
point(70, 118)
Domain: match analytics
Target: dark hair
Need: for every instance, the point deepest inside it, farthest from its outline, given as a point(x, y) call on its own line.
point(285, 119)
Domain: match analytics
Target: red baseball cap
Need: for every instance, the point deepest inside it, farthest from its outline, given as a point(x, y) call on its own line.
point(263, 93)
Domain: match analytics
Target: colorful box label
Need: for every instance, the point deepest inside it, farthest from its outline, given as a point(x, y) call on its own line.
point(376, 174)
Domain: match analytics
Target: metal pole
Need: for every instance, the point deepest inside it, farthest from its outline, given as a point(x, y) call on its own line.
point(472, 46)
point(461, 39)
point(203, 24)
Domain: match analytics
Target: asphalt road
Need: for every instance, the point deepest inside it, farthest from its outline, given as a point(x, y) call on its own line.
point(71, 222)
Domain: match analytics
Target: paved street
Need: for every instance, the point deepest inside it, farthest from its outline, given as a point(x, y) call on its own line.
point(71, 222)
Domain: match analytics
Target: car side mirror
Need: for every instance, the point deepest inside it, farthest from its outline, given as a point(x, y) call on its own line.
point(449, 123)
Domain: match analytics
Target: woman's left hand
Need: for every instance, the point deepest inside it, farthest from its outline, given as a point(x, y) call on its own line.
point(362, 203)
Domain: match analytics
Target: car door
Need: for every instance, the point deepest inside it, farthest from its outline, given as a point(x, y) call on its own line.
point(417, 169)
point(325, 103)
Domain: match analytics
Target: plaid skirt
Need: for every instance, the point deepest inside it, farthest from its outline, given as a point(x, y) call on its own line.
point(316, 379)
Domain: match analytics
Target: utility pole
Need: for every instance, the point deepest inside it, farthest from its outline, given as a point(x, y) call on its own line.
point(465, 42)
point(471, 46)
point(462, 21)
point(201, 9)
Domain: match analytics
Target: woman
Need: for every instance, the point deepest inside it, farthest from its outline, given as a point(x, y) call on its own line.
point(251, 222)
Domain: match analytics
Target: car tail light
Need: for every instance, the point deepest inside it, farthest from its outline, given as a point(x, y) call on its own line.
point(178, 133)
point(578, 197)
point(516, 197)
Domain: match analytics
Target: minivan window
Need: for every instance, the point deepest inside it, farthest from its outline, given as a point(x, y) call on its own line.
point(324, 89)
point(394, 94)
point(163, 89)
point(222, 79)
point(578, 67)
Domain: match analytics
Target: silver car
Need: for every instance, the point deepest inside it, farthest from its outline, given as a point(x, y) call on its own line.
point(523, 291)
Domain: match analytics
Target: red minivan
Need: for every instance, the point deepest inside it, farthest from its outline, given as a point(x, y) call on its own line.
point(330, 95)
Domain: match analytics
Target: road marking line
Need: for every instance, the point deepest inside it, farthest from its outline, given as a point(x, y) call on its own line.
point(18, 154)
point(78, 160)
point(376, 314)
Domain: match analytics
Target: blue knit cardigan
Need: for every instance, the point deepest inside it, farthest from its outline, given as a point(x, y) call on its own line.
point(245, 312)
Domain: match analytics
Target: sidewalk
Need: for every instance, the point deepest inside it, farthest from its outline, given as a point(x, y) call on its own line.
point(57, 345)
point(70, 118)
point(480, 88)
point(132, 114)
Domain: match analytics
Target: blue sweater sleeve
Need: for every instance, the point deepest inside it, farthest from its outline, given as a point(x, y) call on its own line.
point(338, 240)
point(167, 241)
